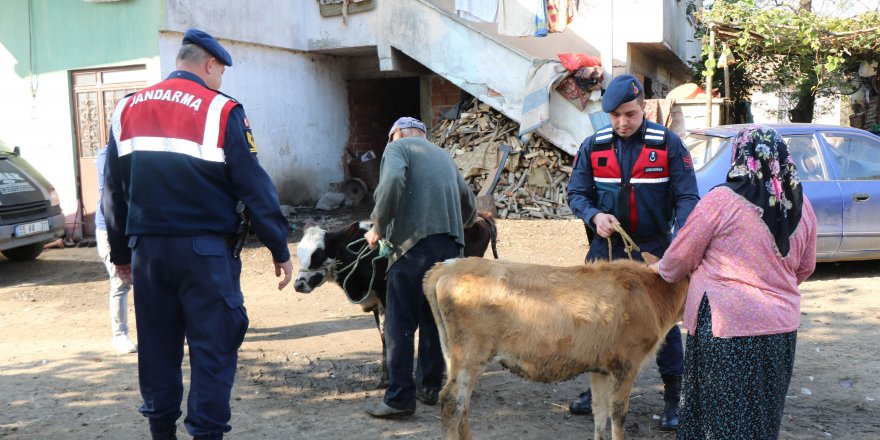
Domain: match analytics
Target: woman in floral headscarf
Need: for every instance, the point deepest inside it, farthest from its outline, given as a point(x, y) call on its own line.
point(747, 246)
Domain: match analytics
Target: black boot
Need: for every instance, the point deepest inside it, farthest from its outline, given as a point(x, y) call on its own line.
point(583, 405)
point(671, 398)
point(163, 430)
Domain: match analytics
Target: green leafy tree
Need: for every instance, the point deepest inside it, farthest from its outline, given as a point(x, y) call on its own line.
point(787, 48)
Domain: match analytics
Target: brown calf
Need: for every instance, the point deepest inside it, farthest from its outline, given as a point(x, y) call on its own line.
point(549, 324)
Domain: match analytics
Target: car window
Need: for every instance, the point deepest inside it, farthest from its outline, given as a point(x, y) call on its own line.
point(805, 154)
point(857, 157)
point(704, 148)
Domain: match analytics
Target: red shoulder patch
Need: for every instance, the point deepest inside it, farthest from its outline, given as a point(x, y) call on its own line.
point(247, 124)
point(688, 162)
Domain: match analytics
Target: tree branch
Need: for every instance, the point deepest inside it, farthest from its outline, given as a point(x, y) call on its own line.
point(857, 31)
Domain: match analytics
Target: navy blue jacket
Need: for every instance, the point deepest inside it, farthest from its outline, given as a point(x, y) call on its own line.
point(172, 191)
point(664, 210)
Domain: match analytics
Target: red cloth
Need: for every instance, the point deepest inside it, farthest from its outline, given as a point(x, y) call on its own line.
point(573, 61)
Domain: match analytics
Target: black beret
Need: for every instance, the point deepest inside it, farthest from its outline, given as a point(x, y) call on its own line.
point(207, 42)
point(621, 89)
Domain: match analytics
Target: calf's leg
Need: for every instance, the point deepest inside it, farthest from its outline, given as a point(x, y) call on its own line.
point(379, 317)
point(620, 402)
point(601, 387)
point(455, 400)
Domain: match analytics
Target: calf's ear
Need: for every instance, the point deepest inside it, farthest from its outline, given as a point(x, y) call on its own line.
point(649, 258)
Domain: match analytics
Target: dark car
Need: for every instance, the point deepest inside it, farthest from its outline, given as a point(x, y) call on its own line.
point(30, 212)
point(839, 168)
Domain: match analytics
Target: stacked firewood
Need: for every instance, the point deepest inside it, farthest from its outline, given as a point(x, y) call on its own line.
point(535, 175)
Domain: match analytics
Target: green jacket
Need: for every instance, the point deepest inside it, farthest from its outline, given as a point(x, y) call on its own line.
point(420, 193)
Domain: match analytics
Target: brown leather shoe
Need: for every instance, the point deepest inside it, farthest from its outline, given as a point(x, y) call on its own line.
point(381, 410)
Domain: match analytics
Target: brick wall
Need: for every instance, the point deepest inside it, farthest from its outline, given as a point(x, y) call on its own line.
point(444, 95)
point(364, 120)
point(373, 105)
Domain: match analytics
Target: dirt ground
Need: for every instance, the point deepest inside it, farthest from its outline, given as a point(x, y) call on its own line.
point(310, 361)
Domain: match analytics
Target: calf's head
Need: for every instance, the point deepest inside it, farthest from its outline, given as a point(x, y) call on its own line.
point(315, 267)
point(322, 253)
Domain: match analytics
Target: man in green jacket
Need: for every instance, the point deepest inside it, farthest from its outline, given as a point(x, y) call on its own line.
point(422, 207)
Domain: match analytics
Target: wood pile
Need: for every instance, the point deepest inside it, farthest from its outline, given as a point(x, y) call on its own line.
point(535, 176)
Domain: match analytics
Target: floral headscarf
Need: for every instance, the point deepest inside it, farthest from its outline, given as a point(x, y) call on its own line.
point(763, 172)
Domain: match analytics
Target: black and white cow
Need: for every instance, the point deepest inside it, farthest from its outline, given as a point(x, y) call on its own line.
point(325, 256)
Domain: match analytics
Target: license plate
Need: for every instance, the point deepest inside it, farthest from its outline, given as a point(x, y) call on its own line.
point(31, 228)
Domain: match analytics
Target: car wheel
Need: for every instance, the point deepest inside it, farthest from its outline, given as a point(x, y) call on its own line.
point(24, 253)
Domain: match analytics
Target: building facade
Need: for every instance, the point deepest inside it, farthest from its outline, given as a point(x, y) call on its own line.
point(318, 89)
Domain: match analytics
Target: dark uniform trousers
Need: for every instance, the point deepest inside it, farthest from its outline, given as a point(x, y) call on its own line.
point(670, 356)
point(407, 309)
point(187, 287)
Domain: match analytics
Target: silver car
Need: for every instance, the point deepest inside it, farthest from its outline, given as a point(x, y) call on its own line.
point(839, 168)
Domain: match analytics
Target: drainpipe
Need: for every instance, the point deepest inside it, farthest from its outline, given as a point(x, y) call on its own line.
point(709, 77)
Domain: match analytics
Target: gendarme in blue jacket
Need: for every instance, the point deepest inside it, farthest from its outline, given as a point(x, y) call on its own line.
point(184, 188)
point(646, 181)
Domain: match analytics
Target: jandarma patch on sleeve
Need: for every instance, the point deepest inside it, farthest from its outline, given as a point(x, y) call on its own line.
point(247, 123)
point(251, 141)
point(688, 162)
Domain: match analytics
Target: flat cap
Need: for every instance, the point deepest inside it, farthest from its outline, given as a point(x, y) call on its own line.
point(621, 89)
point(407, 122)
point(207, 42)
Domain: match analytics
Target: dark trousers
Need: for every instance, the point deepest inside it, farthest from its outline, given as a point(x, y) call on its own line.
point(407, 309)
point(670, 356)
point(735, 387)
point(187, 287)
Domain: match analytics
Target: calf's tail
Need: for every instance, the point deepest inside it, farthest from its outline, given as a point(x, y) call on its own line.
point(430, 286)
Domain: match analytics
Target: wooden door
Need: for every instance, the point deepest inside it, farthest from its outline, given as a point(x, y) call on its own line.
point(95, 94)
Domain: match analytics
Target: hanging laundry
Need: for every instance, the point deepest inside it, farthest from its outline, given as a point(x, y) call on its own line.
point(516, 18)
point(541, 20)
point(560, 13)
point(477, 10)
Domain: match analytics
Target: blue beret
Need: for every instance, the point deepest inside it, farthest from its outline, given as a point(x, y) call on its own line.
point(207, 42)
point(621, 89)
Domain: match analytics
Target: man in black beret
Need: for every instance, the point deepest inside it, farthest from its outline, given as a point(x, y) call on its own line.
point(180, 160)
point(637, 174)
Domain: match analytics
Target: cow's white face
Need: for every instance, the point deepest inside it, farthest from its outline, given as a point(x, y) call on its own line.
point(314, 266)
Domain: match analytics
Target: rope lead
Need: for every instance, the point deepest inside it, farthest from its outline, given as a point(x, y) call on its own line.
point(628, 244)
point(385, 249)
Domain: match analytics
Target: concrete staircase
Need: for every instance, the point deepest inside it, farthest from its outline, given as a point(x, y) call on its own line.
point(491, 67)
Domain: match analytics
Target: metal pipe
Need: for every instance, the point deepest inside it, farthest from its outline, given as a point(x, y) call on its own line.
point(709, 77)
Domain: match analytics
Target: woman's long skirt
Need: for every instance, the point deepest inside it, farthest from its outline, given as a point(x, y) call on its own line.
point(734, 388)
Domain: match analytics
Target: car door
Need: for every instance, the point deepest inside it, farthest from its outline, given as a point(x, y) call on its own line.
point(856, 166)
point(823, 192)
